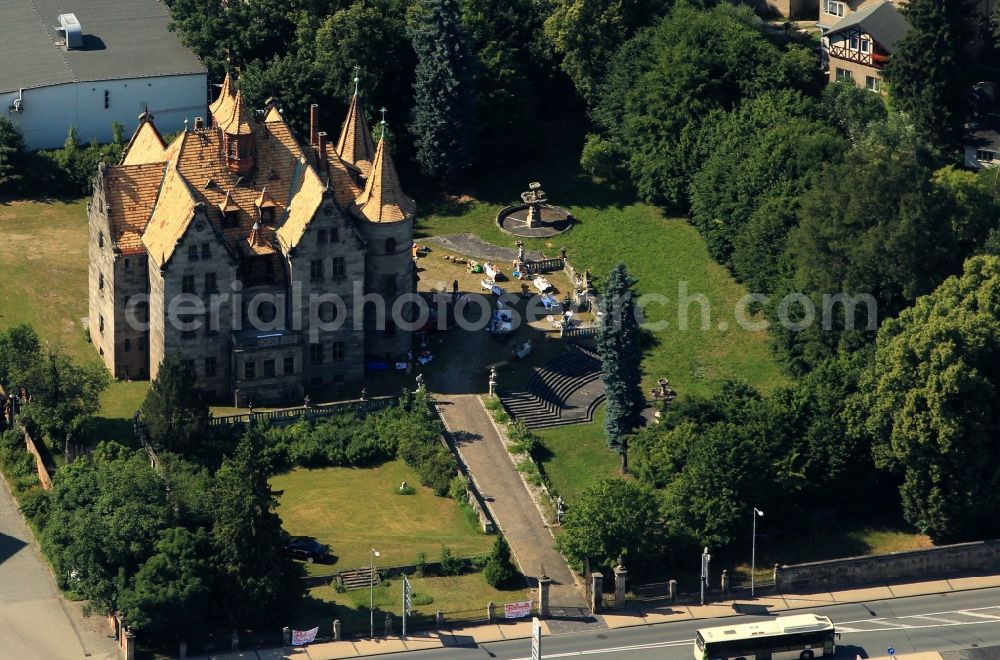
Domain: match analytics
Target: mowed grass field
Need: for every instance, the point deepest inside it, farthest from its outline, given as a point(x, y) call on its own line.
point(666, 256)
point(353, 510)
point(458, 593)
point(43, 281)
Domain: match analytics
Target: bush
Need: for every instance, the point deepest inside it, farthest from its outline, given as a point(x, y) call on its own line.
point(530, 471)
point(11, 440)
point(602, 158)
point(421, 599)
point(437, 471)
point(450, 564)
point(421, 564)
point(458, 488)
point(35, 505)
point(500, 571)
point(405, 490)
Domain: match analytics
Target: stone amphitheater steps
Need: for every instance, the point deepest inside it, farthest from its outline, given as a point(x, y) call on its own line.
point(360, 578)
point(559, 393)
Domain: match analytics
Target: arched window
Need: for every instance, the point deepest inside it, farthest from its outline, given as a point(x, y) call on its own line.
point(390, 246)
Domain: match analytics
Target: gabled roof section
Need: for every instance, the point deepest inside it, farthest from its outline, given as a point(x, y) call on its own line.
point(130, 193)
point(146, 145)
point(383, 199)
point(273, 114)
point(171, 217)
point(883, 21)
point(355, 143)
point(306, 198)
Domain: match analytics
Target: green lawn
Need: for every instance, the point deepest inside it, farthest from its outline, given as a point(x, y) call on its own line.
point(663, 253)
point(448, 594)
point(576, 456)
point(354, 510)
point(43, 260)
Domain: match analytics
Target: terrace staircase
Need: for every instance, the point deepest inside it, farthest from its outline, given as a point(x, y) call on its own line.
point(359, 578)
point(566, 390)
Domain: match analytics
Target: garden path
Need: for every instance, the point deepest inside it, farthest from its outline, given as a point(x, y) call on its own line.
point(510, 504)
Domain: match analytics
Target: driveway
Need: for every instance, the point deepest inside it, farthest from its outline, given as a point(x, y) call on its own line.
point(35, 623)
point(512, 507)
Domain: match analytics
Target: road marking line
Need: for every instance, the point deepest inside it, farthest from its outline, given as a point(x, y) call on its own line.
point(928, 617)
point(980, 614)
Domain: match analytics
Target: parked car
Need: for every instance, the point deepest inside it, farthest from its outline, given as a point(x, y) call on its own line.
point(306, 548)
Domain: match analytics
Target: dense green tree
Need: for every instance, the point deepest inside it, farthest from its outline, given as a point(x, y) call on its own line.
point(873, 224)
point(515, 67)
point(444, 91)
point(63, 396)
point(259, 582)
point(174, 410)
point(778, 145)
point(587, 33)
point(669, 78)
point(20, 349)
point(614, 518)
point(851, 108)
point(621, 358)
point(932, 408)
point(171, 593)
point(106, 511)
point(928, 72)
point(370, 34)
point(499, 570)
point(12, 154)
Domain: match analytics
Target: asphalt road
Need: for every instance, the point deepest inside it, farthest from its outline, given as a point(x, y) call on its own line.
point(942, 622)
point(35, 623)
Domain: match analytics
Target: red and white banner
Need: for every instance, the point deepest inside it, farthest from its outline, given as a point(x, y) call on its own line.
point(517, 610)
point(301, 637)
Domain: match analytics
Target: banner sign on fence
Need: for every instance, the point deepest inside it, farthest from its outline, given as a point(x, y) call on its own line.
point(407, 597)
point(301, 637)
point(517, 610)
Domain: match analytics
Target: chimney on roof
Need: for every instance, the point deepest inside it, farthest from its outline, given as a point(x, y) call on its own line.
point(313, 123)
point(322, 148)
point(199, 123)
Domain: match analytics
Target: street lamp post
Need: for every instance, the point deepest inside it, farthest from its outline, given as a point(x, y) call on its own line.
point(753, 549)
point(705, 560)
point(371, 593)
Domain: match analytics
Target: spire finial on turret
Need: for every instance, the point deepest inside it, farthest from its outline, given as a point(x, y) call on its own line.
point(384, 125)
point(357, 78)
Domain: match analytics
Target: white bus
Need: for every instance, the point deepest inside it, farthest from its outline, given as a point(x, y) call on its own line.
point(808, 635)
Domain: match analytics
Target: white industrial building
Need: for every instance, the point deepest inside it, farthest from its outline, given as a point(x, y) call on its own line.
point(89, 63)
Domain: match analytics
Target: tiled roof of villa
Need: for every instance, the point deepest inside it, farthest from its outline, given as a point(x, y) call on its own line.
point(171, 217)
point(383, 199)
point(130, 193)
point(355, 143)
point(146, 145)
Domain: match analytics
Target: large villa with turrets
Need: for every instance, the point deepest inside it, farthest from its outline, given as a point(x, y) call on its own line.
point(261, 260)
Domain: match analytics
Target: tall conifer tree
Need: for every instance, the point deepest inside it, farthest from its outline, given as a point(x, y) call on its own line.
point(621, 355)
point(444, 91)
point(927, 74)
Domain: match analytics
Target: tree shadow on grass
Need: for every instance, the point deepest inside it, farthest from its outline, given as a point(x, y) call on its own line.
point(102, 429)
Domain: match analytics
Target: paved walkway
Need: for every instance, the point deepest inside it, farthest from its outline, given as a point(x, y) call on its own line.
point(512, 508)
point(35, 623)
point(473, 246)
point(635, 617)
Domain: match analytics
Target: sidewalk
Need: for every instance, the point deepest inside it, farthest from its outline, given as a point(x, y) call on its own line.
point(637, 615)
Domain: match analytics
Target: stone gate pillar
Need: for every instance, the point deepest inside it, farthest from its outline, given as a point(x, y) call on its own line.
point(543, 596)
point(621, 577)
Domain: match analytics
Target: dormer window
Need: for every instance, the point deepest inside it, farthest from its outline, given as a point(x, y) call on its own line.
point(267, 214)
point(231, 218)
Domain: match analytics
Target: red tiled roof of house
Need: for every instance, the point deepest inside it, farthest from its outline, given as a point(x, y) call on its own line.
point(130, 193)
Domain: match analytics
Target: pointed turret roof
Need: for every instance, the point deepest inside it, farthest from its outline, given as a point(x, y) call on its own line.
point(235, 120)
point(219, 107)
point(355, 143)
point(383, 199)
point(264, 199)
